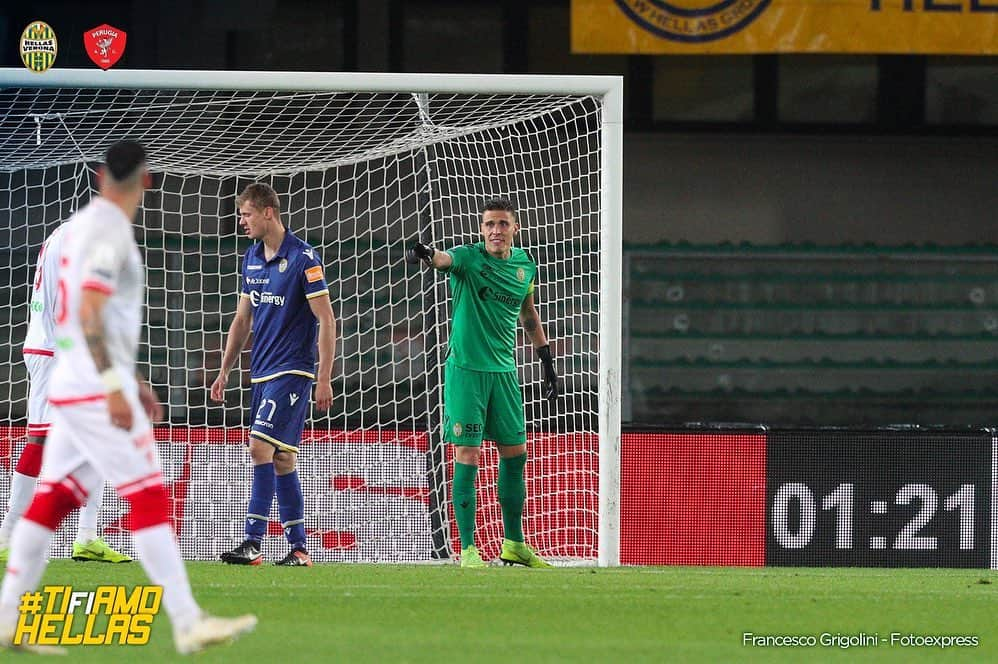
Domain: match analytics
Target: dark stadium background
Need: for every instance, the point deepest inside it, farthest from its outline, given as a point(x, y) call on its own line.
point(809, 238)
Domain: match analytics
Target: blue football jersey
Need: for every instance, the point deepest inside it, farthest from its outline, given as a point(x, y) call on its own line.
point(284, 330)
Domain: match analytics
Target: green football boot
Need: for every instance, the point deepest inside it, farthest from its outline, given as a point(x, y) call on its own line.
point(99, 551)
point(471, 558)
point(518, 553)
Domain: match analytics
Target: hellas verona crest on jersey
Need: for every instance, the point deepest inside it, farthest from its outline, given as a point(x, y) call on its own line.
point(283, 265)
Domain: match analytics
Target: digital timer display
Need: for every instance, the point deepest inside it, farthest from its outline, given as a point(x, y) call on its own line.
point(881, 498)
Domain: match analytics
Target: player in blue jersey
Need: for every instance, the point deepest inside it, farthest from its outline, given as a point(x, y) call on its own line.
point(284, 302)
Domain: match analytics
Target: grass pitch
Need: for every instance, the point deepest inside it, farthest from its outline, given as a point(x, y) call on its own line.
point(394, 613)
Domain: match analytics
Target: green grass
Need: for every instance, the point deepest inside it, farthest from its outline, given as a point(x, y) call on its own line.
point(392, 613)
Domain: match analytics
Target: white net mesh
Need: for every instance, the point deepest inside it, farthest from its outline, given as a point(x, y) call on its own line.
point(360, 176)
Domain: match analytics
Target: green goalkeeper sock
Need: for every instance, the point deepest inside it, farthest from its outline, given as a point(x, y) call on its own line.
point(512, 494)
point(463, 499)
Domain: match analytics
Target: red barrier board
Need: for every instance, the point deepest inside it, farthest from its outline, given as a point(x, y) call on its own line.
point(693, 499)
point(686, 498)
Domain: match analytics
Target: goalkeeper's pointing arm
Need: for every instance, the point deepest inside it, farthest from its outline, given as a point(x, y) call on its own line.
point(439, 260)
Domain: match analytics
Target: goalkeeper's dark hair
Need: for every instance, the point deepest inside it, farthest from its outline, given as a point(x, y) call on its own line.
point(260, 196)
point(503, 204)
point(124, 160)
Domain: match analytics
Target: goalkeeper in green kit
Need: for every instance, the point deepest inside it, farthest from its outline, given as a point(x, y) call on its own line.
point(492, 285)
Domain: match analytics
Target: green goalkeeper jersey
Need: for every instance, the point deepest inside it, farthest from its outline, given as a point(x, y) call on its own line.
point(487, 294)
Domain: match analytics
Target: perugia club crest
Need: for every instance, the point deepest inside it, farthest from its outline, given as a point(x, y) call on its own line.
point(105, 45)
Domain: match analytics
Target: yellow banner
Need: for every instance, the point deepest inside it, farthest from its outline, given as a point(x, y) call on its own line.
point(967, 27)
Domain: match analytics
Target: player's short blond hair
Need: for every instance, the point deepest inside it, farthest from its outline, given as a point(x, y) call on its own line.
point(260, 196)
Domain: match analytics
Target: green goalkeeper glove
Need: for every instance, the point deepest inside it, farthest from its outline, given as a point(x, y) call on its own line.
point(420, 252)
point(551, 387)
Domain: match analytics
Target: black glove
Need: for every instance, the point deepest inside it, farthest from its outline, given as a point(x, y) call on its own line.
point(420, 252)
point(551, 387)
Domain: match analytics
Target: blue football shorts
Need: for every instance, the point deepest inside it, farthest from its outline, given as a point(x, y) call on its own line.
point(280, 406)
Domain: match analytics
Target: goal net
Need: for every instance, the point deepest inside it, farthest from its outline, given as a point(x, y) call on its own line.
point(361, 175)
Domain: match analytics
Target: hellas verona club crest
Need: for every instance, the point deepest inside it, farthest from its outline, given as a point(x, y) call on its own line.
point(458, 429)
point(283, 265)
point(38, 46)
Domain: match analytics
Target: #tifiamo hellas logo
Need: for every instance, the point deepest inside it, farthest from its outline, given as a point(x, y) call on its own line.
point(693, 21)
point(38, 46)
point(108, 615)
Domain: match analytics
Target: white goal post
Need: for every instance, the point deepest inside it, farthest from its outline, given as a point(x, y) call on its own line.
point(364, 164)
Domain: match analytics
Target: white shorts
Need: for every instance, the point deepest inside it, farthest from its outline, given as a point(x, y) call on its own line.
point(84, 448)
point(39, 371)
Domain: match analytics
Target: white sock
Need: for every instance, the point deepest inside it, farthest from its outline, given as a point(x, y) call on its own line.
point(160, 557)
point(22, 488)
point(28, 558)
point(88, 516)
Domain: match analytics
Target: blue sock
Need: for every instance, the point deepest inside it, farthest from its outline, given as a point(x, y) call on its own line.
point(291, 505)
point(261, 498)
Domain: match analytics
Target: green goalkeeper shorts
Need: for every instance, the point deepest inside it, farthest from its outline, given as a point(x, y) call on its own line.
point(482, 405)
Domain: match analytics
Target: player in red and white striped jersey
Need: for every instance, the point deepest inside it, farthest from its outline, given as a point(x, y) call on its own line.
point(101, 410)
point(39, 350)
